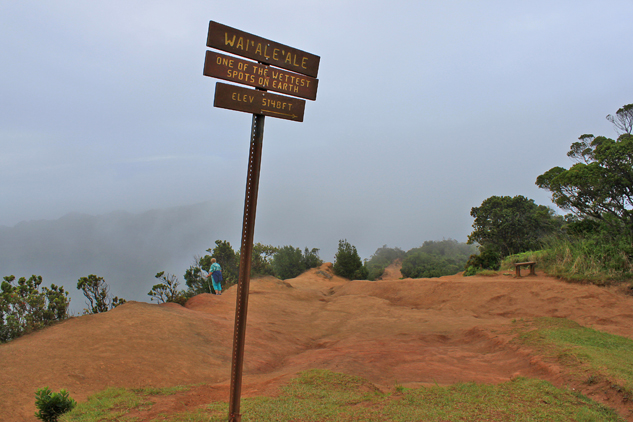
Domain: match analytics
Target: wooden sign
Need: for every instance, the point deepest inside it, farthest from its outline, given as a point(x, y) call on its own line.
point(246, 72)
point(262, 50)
point(299, 82)
point(258, 102)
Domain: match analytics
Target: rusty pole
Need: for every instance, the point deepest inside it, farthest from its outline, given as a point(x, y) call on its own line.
point(246, 251)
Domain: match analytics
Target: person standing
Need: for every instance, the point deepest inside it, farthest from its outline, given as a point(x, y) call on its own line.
point(215, 272)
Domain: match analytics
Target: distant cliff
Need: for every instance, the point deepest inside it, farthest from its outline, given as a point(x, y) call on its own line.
point(126, 249)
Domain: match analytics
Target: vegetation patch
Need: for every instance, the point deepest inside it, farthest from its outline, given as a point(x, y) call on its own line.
point(594, 242)
point(518, 400)
point(486, 273)
point(381, 259)
point(24, 308)
point(508, 262)
point(598, 355)
point(593, 258)
point(321, 395)
point(436, 259)
point(114, 404)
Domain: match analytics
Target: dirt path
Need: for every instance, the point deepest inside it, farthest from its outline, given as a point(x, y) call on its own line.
point(390, 331)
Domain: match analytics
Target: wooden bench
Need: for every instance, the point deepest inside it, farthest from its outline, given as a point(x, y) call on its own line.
point(518, 266)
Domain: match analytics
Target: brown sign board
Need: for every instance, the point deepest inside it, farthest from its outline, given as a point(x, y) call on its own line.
point(231, 68)
point(253, 101)
point(262, 50)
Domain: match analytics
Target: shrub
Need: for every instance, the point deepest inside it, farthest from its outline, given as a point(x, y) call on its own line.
point(347, 263)
point(23, 308)
point(261, 259)
point(423, 265)
point(595, 258)
point(52, 405)
point(167, 290)
point(381, 259)
point(288, 262)
point(511, 225)
point(195, 279)
point(97, 291)
point(311, 258)
point(228, 259)
point(288, 265)
point(436, 259)
point(487, 259)
point(509, 261)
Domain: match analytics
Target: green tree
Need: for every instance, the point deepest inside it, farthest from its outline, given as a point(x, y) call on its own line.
point(486, 259)
point(598, 191)
point(195, 277)
point(623, 120)
point(261, 259)
point(228, 259)
point(97, 291)
point(311, 258)
point(167, 290)
point(600, 185)
point(509, 225)
point(381, 259)
point(288, 262)
point(23, 308)
point(347, 262)
point(436, 259)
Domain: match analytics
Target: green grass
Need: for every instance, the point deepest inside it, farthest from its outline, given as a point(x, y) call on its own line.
point(167, 391)
point(582, 260)
point(520, 400)
point(113, 404)
point(322, 396)
point(591, 259)
point(595, 354)
point(508, 262)
point(487, 273)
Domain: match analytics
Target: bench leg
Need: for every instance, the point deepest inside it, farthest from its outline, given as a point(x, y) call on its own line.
point(518, 272)
point(532, 270)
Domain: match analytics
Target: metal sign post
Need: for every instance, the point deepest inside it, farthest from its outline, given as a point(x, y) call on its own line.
point(246, 252)
point(298, 80)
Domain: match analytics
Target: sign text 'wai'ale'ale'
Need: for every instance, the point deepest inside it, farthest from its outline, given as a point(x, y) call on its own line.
point(298, 79)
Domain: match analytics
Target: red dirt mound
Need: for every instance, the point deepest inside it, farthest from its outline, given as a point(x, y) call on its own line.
point(406, 331)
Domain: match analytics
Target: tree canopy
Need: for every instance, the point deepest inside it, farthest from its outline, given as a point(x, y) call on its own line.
point(600, 185)
point(509, 225)
point(436, 259)
point(347, 262)
point(97, 291)
point(289, 262)
point(381, 259)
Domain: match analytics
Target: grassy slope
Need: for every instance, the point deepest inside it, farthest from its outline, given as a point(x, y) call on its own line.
point(320, 395)
point(591, 356)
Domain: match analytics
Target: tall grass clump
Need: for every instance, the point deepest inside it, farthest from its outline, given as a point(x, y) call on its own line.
point(537, 256)
point(594, 259)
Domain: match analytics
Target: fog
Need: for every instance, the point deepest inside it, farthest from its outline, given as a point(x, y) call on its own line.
point(423, 111)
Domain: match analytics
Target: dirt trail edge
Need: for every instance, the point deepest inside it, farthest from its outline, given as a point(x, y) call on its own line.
point(410, 332)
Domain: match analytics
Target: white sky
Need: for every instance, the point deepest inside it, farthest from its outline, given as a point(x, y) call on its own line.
point(424, 109)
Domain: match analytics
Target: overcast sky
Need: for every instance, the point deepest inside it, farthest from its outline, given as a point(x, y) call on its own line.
point(424, 109)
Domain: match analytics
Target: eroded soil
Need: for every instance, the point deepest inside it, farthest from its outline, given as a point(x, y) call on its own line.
point(392, 331)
